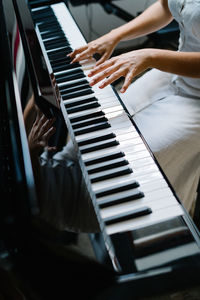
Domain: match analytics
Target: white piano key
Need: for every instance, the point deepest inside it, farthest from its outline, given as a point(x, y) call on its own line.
point(110, 103)
point(116, 131)
point(122, 146)
point(68, 26)
point(159, 184)
point(112, 100)
point(146, 178)
point(121, 128)
point(146, 189)
point(159, 199)
point(138, 172)
point(93, 110)
point(159, 215)
point(140, 163)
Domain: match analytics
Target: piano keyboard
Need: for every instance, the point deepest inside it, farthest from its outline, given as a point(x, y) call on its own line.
point(128, 188)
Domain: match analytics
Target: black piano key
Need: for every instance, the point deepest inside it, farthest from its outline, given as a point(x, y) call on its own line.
point(118, 188)
point(98, 146)
point(82, 107)
point(54, 56)
point(133, 214)
point(69, 78)
point(52, 30)
point(105, 157)
point(70, 67)
point(88, 122)
point(79, 86)
point(60, 62)
point(92, 128)
point(114, 163)
point(55, 41)
point(68, 85)
point(47, 36)
point(74, 88)
point(59, 68)
point(43, 14)
point(46, 25)
point(82, 117)
point(51, 33)
point(104, 137)
point(111, 174)
point(71, 75)
point(53, 45)
point(58, 52)
point(87, 91)
point(73, 85)
point(114, 200)
point(79, 102)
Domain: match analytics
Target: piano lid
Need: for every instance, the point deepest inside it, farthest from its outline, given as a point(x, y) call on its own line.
point(18, 195)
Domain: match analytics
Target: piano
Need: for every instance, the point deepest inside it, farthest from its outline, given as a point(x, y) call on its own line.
point(146, 238)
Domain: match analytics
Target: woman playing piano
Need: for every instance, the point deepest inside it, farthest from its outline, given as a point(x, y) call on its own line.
point(165, 101)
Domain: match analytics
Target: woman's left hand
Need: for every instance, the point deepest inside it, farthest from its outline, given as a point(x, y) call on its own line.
point(126, 65)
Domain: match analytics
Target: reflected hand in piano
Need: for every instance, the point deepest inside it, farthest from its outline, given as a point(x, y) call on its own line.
point(63, 198)
point(165, 102)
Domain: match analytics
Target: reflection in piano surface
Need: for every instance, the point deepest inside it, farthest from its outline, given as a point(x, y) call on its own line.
point(93, 172)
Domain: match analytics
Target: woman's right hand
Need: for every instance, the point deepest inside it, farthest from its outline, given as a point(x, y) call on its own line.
point(104, 46)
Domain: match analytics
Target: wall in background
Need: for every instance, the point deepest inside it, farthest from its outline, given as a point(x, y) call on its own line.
point(94, 21)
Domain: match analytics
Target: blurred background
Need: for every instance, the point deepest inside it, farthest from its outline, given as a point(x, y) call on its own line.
point(96, 18)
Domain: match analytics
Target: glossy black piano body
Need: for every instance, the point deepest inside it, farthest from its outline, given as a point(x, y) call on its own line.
point(129, 263)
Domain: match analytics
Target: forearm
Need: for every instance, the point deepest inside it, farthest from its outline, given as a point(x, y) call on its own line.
point(152, 19)
point(180, 63)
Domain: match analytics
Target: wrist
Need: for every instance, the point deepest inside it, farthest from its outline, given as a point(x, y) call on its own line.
point(116, 35)
point(153, 57)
